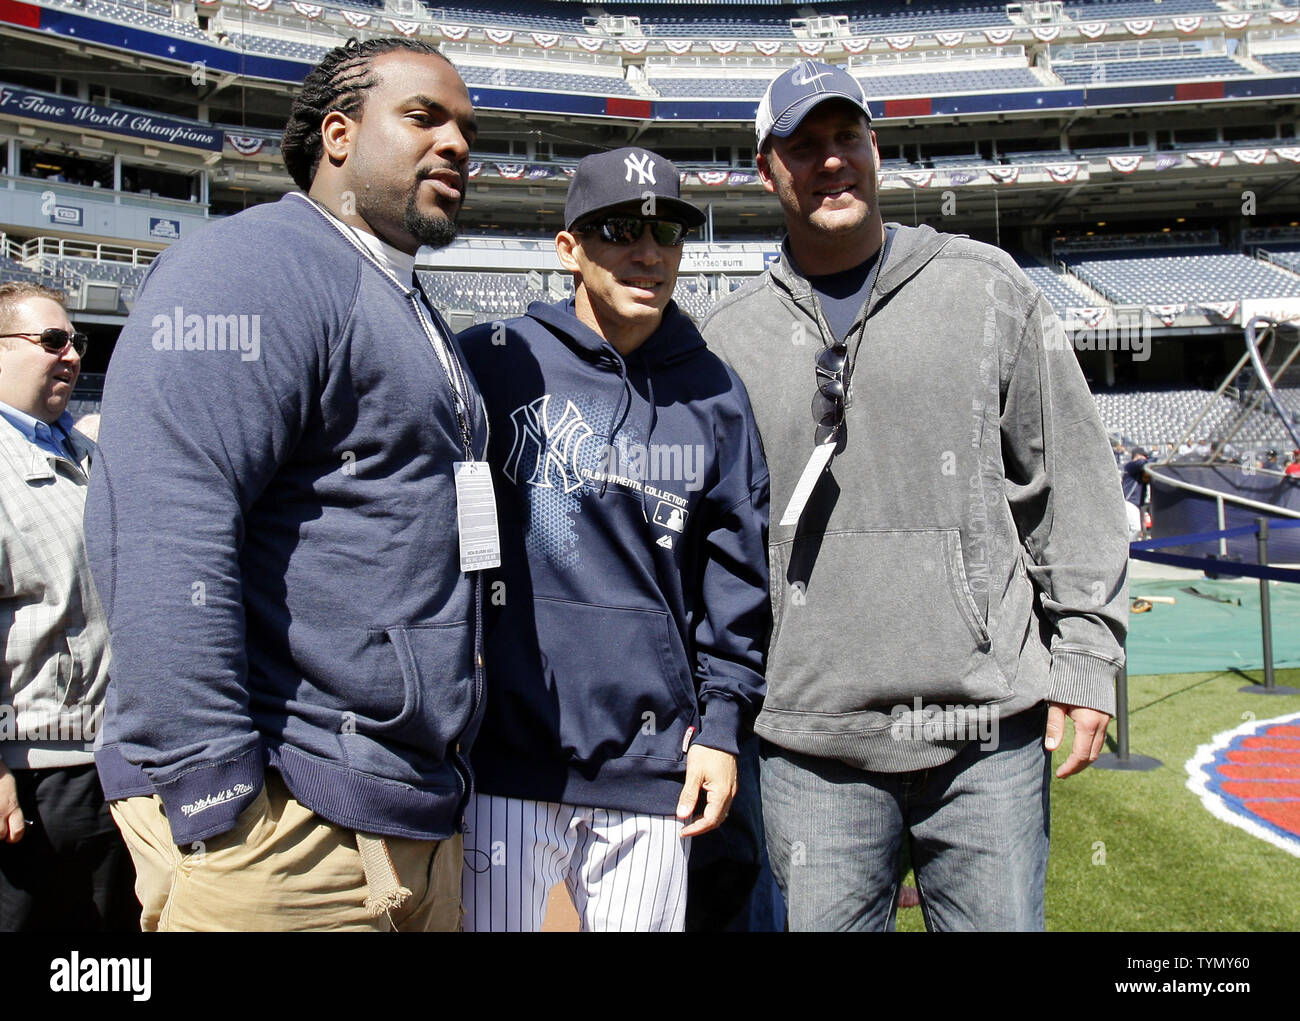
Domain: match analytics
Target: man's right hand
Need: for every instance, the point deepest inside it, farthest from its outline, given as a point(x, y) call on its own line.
point(12, 823)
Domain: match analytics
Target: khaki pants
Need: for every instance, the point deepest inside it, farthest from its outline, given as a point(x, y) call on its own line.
point(281, 868)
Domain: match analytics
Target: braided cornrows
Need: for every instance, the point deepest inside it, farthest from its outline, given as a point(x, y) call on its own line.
point(339, 82)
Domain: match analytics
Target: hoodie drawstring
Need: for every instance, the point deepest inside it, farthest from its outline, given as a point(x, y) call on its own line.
point(650, 429)
point(620, 413)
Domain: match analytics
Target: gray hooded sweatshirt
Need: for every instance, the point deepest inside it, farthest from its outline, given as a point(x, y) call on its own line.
point(964, 555)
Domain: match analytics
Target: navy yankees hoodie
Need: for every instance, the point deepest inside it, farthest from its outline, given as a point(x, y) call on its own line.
point(631, 612)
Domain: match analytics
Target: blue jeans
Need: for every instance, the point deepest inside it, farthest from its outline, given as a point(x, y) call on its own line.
point(978, 830)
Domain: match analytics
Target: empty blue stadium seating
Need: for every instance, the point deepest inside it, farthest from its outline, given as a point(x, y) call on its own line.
point(933, 83)
point(1056, 287)
point(1282, 63)
point(1181, 67)
point(1186, 275)
point(548, 81)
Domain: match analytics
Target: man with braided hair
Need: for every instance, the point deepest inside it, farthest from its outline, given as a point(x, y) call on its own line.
point(274, 533)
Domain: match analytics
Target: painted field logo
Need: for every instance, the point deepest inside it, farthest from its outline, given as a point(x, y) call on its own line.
point(1250, 777)
point(75, 974)
point(183, 331)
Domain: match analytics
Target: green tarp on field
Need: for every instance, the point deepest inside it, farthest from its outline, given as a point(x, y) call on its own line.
point(1199, 634)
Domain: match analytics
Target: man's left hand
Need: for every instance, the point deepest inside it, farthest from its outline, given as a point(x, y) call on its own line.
point(1089, 735)
point(715, 771)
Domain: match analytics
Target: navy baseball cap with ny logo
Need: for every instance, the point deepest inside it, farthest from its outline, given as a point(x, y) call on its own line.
point(628, 177)
point(794, 93)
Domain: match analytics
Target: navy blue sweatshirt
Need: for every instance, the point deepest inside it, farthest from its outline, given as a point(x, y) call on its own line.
point(632, 604)
point(272, 529)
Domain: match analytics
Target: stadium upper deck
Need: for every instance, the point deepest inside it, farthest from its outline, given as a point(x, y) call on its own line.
point(1178, 106)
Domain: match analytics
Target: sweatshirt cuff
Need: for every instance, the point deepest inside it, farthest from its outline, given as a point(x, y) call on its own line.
point(204, 802)
point(1079, 678)
point(720, 727)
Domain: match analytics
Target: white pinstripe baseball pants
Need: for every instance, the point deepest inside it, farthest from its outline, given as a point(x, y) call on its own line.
point(626, 872)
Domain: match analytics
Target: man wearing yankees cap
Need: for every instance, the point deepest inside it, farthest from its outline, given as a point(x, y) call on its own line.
point(947, 549)
point(626, 625)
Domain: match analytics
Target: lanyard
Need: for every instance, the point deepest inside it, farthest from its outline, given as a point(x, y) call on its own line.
point(451, 366)
point(851, 361)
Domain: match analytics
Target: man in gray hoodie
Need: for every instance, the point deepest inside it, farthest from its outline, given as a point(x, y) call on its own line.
point(947, 552)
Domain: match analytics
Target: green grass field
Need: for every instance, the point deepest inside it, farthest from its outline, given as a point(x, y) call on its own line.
point(1168, 864)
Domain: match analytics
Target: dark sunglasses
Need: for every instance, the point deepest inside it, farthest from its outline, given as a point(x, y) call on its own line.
point(55, 340)
point(627, 230)
point(832, 395)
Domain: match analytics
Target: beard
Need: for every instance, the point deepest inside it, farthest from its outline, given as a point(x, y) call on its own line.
point(433, 231)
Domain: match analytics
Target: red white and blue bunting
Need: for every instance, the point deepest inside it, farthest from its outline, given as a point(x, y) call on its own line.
point(723, 46)
point(811, 47)
point(678, 46)
point(454, 32)
point(546, 40)
point(1208, 158)
point(1254, 157)
point(1091, 316)
point(357, 19)
point(1124, 163)
point(1004, 175)
point(589, 43)
point(1046, 33)
point(1140, 26)
point(999, 36)
point(309, 11)
point(1167, 313)
point(900, 42)
point(405, 27)
point(855, 45)
point(1063, 174)
point(949, 39)
point(1223, 309)
point(1093, 29)
point(500, 36)
point(1188, 25)
point(246, 145)
point(1235, 22)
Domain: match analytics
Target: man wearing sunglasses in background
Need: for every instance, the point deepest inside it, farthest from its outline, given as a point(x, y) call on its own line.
point(625, 627)
point(63, 864)
point(949, 558)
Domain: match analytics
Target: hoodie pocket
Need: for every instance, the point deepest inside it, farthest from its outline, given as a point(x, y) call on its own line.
point(874, 619)
point(422, 702)
point(613, 682)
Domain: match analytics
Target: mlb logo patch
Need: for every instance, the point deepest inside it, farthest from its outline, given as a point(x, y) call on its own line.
point(668, 516)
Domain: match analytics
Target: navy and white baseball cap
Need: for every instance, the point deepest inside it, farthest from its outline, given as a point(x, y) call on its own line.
point(624, 177)
point(794, 93)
